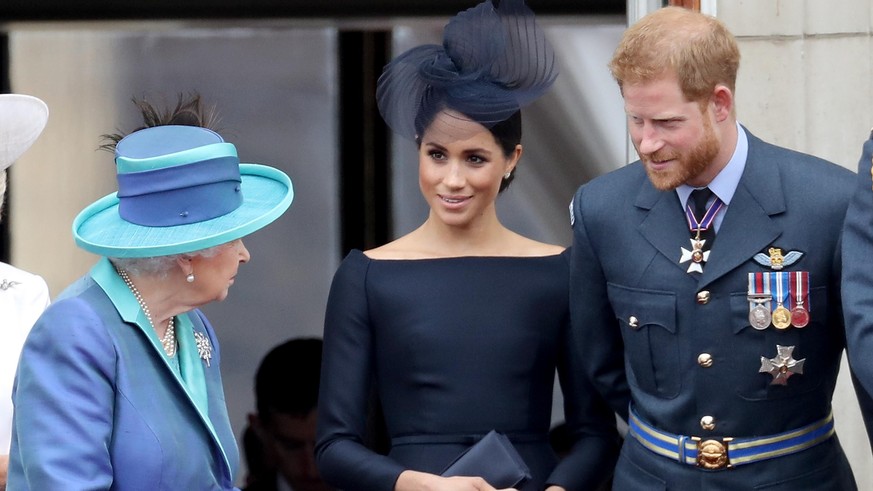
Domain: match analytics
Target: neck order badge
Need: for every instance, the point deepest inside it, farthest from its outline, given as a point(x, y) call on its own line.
point(701, 230)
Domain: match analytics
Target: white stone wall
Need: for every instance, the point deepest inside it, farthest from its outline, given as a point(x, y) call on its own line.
point(805, 76)
point(805, 83)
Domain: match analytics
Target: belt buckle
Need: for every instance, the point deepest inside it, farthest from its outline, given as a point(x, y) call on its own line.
point(712, 454)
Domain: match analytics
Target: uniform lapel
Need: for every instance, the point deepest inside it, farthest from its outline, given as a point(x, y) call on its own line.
point(664, 225)
point(747, 227)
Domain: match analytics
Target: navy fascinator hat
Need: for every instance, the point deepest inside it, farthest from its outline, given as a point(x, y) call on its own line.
point(493, 61)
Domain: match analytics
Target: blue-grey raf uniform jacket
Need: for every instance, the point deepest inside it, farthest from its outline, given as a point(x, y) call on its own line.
point(679, 348)
point(858, 282)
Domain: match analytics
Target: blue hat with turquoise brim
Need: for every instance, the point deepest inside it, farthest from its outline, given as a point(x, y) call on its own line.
point(181, 189)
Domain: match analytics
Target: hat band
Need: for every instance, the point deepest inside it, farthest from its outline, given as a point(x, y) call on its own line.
point(182, 194)
point(127, 164)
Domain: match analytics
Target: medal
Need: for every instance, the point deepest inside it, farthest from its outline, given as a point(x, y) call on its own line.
point(698, 255)
point(781, 318)
point(759, 317)
point(782, 366)
point(799, 292)
point(781, 315)
point(759, 301)
point(799, 317)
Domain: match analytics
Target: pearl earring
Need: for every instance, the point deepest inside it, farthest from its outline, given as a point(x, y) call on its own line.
point(507, 175)
point(190, 278)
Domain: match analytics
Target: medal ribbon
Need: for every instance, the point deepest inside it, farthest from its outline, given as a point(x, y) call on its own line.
point(799, 289)
point(779, 287)
point(708, 217)
point(756, 288)
point(751, 290)
point(759, 287)
point(764, 280)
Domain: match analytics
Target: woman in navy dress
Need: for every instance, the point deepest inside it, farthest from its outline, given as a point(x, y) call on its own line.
point(460, 325)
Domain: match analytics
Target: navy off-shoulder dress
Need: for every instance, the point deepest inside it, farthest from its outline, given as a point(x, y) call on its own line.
point(456, 347)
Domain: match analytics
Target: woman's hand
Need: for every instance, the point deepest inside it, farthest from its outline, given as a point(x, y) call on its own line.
point(422, 481)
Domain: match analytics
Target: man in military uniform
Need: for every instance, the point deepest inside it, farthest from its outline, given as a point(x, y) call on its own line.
point(857, 291)
point(705, 279)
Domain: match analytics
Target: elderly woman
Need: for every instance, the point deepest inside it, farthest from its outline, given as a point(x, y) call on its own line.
point(23, 296)
point(119, 384)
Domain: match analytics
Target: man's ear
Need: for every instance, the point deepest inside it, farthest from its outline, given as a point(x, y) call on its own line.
point(722, 101)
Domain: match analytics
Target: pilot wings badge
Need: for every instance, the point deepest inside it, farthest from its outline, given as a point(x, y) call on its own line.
point(776, 260)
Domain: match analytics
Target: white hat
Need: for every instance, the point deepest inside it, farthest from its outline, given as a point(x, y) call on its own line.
point(22, 119)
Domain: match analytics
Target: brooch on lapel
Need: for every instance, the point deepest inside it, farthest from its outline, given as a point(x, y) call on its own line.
point(776, 260)
point(204, 349)
point(6, 284)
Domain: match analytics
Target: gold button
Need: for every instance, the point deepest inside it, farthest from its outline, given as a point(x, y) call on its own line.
point(633, 322)
point(703, 297)
point(707, 423)
point(704, 360)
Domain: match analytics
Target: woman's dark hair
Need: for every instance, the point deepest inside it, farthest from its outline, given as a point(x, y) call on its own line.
point(507, 133)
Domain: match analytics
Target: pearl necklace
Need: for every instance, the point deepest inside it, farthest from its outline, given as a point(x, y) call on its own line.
point(169, 339)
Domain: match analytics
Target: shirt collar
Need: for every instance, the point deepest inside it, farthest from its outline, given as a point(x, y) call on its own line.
point(724, 185)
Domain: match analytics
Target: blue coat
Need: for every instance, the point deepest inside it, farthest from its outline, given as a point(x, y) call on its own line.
point(643, 322)
point(97, 405)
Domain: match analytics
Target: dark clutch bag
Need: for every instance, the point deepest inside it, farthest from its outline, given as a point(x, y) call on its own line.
point(492, 458)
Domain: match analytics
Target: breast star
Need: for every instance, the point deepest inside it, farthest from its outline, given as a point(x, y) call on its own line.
point(783, 366)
